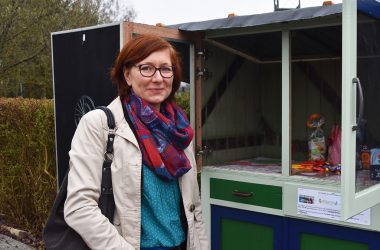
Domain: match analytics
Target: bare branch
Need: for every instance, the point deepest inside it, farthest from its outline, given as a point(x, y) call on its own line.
point(24, 60)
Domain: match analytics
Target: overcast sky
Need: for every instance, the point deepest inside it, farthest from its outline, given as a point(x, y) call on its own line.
point(181, 11)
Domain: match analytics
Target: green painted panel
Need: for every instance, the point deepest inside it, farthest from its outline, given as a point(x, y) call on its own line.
point(261, 195)
point(243, 235)
point(316, 242)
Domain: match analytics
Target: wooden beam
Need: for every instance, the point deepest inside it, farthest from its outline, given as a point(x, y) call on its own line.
point(322, 85)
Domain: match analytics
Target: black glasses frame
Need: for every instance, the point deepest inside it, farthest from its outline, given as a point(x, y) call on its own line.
point(155, 70)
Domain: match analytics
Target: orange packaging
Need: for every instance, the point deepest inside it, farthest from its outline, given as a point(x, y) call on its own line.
point(365, 157)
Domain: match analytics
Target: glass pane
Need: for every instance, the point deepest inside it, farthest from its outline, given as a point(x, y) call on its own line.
point(241, 102)
point(368, 118)
point(316, 102)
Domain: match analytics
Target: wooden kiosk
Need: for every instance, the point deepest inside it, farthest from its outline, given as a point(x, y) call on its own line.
point(259, 86)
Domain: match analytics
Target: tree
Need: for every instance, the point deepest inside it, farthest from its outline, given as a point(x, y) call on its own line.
point(25, 27)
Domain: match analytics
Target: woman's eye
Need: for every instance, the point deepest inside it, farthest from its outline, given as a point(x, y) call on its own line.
point(146, 68)
point(166, 69)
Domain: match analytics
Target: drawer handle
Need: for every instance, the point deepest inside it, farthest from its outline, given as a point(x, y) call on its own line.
point(242, 194)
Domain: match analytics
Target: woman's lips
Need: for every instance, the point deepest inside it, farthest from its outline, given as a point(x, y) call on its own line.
point(156, 90)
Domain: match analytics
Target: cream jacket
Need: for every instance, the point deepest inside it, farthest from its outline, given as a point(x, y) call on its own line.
point(86, 158)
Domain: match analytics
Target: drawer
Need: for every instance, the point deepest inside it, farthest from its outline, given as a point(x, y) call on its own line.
point(247, 193)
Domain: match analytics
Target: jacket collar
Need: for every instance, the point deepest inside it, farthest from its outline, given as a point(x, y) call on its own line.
point(122, 127)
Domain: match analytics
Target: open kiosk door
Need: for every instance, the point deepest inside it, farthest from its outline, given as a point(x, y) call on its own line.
point(81, 59)
point(360, 183)
point(186, 44)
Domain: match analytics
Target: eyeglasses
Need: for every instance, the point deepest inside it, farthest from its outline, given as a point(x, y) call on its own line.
point(148, 70)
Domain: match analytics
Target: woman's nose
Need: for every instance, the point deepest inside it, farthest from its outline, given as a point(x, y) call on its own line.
point(157, 76)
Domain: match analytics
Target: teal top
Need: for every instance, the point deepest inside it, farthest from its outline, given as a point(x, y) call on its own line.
point(161, 224)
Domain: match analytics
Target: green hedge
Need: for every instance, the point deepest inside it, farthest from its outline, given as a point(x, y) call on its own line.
point(183, 100)
point(27, 162)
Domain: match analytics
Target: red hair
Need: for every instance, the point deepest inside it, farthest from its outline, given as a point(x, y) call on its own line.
point(137, 50)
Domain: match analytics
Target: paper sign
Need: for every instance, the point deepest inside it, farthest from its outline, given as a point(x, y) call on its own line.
point(324, 204)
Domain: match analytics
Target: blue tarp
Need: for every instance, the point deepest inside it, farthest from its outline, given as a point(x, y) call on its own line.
point(370, 7)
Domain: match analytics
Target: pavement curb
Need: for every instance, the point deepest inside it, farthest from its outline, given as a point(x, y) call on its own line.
point(7, 242)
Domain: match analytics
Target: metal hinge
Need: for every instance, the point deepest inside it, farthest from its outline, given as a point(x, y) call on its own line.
point(205, 151)
point(204, 73)
point(203, 53)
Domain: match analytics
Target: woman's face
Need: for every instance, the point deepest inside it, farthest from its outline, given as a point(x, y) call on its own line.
point(154, 89)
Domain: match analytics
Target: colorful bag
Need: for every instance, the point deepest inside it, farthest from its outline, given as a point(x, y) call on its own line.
point(317, 143)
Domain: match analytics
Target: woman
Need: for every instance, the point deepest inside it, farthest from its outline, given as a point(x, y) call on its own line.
point(153, 171)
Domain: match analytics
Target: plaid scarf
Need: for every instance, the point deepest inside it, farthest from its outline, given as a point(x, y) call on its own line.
point(162, 136)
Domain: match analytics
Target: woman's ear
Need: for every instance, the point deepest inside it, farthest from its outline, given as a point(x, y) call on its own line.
point(127, 77)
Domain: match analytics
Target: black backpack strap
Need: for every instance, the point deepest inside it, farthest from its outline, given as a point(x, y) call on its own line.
point(111, 134)
point(106, 199)
point(110, 118)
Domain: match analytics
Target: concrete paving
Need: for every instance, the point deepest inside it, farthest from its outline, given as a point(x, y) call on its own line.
point(9, 243)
